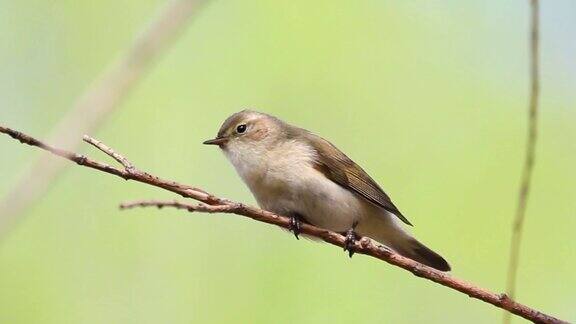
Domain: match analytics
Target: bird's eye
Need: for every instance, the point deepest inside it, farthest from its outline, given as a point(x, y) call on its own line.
point(241, 128)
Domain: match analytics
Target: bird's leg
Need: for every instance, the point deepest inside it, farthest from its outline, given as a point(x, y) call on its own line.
point(295, 224)
point(351, 238)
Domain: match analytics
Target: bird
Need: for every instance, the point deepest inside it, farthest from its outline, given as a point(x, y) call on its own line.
point(296, 173)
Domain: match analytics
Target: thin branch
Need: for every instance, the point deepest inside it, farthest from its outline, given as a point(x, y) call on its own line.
point(530, 156)
point(109, 151)
point(200, 207)
point(99, 100)
point(210, 203)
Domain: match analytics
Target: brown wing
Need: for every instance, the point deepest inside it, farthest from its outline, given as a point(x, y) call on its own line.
point(343, 171)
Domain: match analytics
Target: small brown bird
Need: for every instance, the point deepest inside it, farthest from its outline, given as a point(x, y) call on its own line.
point(296, 173)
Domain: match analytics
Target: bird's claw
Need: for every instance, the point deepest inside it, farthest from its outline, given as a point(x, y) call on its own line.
point(350, 242)
point(295, 226)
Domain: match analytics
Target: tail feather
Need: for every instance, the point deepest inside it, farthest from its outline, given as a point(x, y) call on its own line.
point(389, 232)
point(419, 252)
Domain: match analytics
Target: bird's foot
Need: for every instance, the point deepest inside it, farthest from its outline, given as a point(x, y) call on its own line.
point(350, 241)
point(295, 225)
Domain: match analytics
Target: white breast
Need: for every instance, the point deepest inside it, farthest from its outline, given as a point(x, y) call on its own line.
point(283, 180)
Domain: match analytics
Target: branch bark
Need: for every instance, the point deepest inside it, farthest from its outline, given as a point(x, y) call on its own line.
point(212, 204)
point(532, 135)
point(99, 100)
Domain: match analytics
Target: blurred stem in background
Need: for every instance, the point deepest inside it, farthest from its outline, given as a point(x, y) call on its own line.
point(523, 195)
point(99, 100)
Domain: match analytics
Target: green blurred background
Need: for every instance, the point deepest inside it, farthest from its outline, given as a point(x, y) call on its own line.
point(429, 96)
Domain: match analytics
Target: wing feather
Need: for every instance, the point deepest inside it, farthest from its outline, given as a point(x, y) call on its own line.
point(342, 170)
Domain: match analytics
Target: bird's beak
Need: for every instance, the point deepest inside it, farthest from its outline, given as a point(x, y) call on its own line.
point(216, 141)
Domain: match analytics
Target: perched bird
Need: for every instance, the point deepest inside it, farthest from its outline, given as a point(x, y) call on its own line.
point(293, 172)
